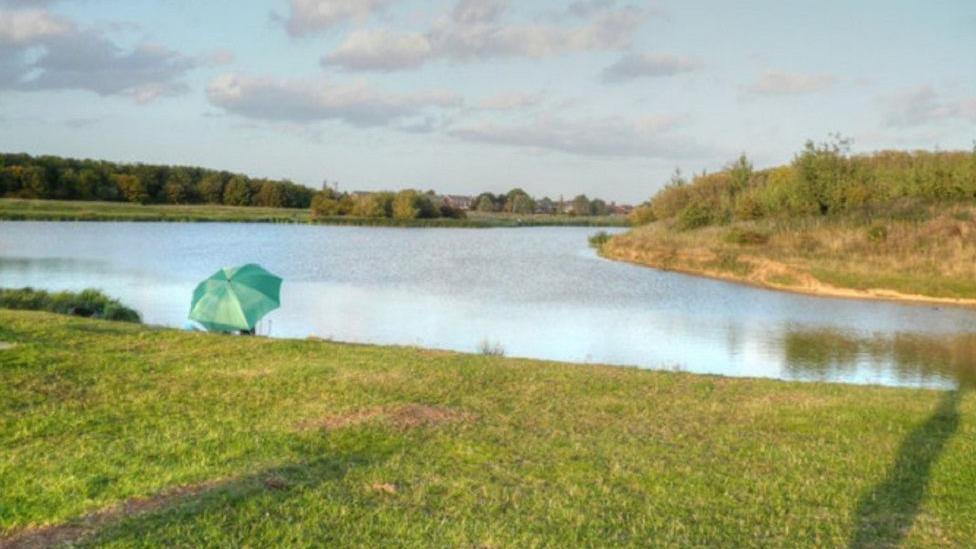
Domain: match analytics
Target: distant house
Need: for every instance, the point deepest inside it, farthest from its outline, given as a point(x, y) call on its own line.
point(458, 201)
point(619, 209)
point(545, 206)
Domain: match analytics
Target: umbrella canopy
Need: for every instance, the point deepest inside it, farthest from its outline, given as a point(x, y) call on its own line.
point(235, 298)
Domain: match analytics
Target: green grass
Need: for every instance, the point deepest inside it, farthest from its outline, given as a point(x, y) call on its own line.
point(95, 413)
point(62, 210)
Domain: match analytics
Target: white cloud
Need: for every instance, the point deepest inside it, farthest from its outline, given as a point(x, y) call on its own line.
point(476, 30)
point(41, 51)
point(923, 106)
point(90, 62)
point(783, 83)
point(648, 65)
point(24, 27)
point(305, 102)
point(473, 12)
point(381, 51)
point(647, 137)
point(310, 16)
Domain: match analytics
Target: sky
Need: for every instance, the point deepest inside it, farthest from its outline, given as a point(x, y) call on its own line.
point(600, 97)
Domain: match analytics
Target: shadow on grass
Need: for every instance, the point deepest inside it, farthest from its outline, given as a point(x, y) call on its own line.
point(886, 512)
point(130, 522)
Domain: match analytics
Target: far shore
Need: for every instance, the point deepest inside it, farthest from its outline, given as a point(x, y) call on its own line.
point(14, 209)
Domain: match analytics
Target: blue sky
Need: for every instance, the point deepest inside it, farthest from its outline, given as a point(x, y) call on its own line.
point(600, 97)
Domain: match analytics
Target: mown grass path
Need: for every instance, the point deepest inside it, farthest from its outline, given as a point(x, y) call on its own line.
point(125, 435)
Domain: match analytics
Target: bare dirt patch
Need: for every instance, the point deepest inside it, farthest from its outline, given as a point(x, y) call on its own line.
point(6, 345)
point(400, 416)
point(383, 488)
point(78, 529)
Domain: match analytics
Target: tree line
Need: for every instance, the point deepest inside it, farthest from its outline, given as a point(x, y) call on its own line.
point(53, 177)
point(413, 204)
point(403, 205)
point(823, 179)
point(58, 178)
point(519, 201)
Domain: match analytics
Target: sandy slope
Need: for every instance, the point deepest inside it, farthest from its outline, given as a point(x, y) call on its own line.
point(764, 273)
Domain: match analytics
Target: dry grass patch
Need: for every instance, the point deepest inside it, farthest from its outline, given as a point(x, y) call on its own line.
point(928, 256)
point(398, 416)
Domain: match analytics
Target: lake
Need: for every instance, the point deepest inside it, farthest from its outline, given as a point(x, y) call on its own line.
point(537, 292)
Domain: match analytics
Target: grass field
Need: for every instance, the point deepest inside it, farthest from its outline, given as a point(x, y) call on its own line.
point(64, 210)
point(911, 252)
point(118, 434)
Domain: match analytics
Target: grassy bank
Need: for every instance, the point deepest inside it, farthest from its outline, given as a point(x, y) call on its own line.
point(59, 210)
point(910, 253)
point(888, 224)
point(124, 435)
point(87, 303)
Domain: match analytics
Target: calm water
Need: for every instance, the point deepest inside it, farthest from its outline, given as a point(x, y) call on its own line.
point(538, 292)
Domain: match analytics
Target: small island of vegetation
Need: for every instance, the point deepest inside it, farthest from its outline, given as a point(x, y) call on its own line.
point(891, 225)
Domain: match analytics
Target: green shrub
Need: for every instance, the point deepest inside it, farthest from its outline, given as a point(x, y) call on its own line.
point(87, 303)
point(748, 207)
point(325, 203)
point(641, 215)
point(599, 239)
point(491, 348)
point(693, 216)
point(823, 179)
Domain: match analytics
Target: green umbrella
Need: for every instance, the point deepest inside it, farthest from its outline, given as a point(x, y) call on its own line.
point(235, 298)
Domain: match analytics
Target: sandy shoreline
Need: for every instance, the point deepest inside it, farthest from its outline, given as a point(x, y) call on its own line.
point(807, 284)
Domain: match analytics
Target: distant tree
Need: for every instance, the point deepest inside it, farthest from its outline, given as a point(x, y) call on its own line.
point(237, 192)
point(34, 182)
point(373, 205)
point(152, 178)
point(270, 195)
point(511, 196)
point(346, 205)
point(485, 203)
point(176, 190)
point(132, 188)
point(324, 203)
point(740, 171)
point(405, 205)
point(598, 207)
point(212, 188)
point(88, 184)
point(822, 172)
point(522, 204)
point(581, 205)
point(410, 204)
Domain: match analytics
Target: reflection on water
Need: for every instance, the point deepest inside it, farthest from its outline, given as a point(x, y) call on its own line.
point(912, 359)
point(539, 292)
